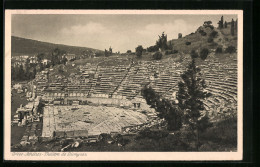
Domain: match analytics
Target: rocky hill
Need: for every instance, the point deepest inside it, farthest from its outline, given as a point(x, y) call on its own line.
point(205, 37)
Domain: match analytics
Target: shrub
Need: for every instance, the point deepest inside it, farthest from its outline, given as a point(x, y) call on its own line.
point(174, 51)
point(210, 39)
point(218, 50)
point(153, 134)
point(213, 44)
point(230, 49)
point(154, 48)
point(204, 53)
point(170, 46)
point(129, 51)
point(168, 52)
point(188, 43)
point(157, 56)
point(210, 26)
point(179, 35)
point(202, 32)
point(213, 34)
point(194, 54)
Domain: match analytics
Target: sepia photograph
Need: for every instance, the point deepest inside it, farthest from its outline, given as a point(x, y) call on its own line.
point(123, 85)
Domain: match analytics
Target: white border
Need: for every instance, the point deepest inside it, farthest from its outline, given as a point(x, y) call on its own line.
point(131, 156)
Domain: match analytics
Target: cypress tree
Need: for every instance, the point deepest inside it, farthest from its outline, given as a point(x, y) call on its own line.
point(225, 25)
point(232, 28)
point(190, 96)
point(222, 21)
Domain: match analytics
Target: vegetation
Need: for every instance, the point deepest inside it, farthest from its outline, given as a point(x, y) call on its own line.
point(204, 53)
point(165, 108)
point(225, 24)
point(190, 96)
point(58, 57)
point(157, 56)
point(179, 35)
point(210, 40)
point(139, 51)
point(220, 23)
point(202, 33)
point(194, 54)
point(162, 42)
point(108, 52)
point(154, 48)
point(232, 28)
point(213, 34)
point(230, 49)
point(188, 43)
point(29, 70)
point(168, 52)
point(208, 24)
point(218, 50)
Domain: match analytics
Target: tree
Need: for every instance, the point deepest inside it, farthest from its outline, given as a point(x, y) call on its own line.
point(220, 23)
point(194, 54)
point(210, 40)
point(21, 73)
point(165, 108)
point(106, 53)
point(64, 60)
point(230, 49)
point(13, 72)
point(128, 51)
point(110, 50)
point(188, 43)
point(170, 46)
point(225, 25)
point(213, 34)
point(232, 28)
point(27, 68)
point(55, 58)
point(40, 57)
point(190, 96)
point(162, 42)
point(179, 35)
point(139, 51)
point(235, 26)
point(219, 50)
point(208, 24)
point(33, 73)
point(204, 53)
point(202, 32)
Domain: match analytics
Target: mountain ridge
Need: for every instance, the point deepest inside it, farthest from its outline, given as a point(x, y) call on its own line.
point(25, 46)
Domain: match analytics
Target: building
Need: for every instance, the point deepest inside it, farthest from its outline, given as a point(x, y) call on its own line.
point(70, 56)
point(45, 61)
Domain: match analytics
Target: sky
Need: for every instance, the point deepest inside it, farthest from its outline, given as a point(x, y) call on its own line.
point(121, 32)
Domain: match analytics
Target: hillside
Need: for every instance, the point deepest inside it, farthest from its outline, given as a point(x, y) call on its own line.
point(200, 39)
point(23, 46)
